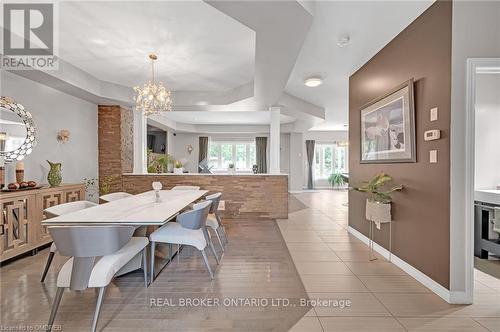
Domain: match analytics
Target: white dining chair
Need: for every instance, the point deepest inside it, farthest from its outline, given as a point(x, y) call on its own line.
point(114, 196)
point(98, 253)
point(185, 188)
point(213, 218)
point(56, 211)
point(190, 230)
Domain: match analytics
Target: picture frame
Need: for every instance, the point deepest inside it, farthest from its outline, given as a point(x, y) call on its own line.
point(388, 127)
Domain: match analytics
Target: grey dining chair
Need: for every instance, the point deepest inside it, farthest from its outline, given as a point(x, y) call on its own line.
point(98, 253)
point(56, 211)
point(190, 229)
point(213, 219)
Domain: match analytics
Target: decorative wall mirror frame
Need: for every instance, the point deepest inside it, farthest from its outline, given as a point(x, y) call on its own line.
point(26, 137)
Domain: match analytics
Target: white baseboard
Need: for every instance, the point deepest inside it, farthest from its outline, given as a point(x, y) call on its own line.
point(295, 191)
point(416, 274)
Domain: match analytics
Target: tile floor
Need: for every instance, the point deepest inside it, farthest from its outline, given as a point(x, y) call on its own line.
point(333, 265)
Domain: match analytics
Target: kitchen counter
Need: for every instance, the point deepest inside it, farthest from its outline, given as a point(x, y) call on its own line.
point(255, 196)
point(205, 174)
point(490, 196)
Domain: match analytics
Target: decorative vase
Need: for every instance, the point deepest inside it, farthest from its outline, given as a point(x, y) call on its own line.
point(178, 170)
point(54, 177)
point(255, 169)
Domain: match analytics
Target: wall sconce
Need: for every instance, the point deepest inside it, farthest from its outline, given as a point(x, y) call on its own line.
point(63, 136)
point(190, 148)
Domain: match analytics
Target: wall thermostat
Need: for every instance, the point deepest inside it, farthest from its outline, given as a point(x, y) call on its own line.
point(431, 135)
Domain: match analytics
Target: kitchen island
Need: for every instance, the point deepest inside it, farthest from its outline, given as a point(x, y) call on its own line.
point(245, 195)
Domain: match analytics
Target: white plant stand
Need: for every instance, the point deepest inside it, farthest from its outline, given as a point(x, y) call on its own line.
point(378, 213)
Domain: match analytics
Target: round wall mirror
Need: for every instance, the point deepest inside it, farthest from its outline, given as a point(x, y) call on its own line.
point(17, 130)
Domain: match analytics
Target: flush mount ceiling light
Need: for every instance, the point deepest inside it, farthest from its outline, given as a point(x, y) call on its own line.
point(313, 82)
point(152, 97)
point(343, 41)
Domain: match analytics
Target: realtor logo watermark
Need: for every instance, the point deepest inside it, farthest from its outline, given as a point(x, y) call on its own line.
point(30, 36)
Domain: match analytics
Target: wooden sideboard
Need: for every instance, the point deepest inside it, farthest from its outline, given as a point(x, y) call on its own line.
point(22, 213)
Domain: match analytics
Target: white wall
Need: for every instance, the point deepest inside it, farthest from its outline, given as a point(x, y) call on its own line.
point(297, 162)
point(476, 34)
point(487, 152)
point(178, 149)
point(321, 137)
point(52, 111)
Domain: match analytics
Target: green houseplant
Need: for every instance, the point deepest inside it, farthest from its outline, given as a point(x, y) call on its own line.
point(336, 179)
point(178, 167)
point(106, 183)
point(375, 188)
point(378, 203)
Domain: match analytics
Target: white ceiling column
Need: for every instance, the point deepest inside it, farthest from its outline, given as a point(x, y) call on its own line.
point(140, 141)
point(274, 144)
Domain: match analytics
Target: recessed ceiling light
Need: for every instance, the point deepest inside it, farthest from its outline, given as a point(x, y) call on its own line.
point(313, 82)
point(343, 41)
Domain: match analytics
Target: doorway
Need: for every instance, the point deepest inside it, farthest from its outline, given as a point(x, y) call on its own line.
point(484, 184)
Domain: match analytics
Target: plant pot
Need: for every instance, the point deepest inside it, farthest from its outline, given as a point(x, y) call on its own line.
point(179, 170)
point(378, 212)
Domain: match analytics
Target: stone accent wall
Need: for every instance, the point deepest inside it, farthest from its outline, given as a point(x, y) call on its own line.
point(127, 140)
point(246, 196)
point(115, 142)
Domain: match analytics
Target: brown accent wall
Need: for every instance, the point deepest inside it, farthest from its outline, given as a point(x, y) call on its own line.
point(246, 196)
point(421, 226)
point(114, 142)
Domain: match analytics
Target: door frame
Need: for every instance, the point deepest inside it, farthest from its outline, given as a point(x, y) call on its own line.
point(473, 66)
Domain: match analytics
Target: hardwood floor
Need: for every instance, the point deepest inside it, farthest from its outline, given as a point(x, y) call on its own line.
point(257, 265)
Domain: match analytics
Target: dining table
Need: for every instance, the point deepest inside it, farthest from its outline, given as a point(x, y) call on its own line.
point(141, 210)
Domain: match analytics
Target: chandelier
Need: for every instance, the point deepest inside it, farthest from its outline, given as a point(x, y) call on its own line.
point(152, 97)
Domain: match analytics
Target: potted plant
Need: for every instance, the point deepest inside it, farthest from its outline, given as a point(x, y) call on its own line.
point(378, 203)
point(106, 184)
point(178, 167)
point(337, 180)
point(165, 162)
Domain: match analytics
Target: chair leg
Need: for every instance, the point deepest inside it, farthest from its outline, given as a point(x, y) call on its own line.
point(144, 267)
point(178, 253)
point(212, 247)
point(218, 238)
point(55, 306)
point(170, 251)
point(100, 297)
point(47, 265)
point(152, 267)
point(206, 263)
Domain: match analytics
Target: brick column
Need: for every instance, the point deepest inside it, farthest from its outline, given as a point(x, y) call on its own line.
point(115, 141)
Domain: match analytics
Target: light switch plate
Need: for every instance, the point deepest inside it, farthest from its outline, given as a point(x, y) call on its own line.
point(433, 156)
point(434, 114)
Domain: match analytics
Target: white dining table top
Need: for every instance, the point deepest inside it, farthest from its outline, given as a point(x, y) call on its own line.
point(141, 209)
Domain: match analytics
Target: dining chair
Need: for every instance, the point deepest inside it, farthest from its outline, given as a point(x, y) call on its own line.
point(114, 196)
point(213, 218)
point(190, 229)
point(56, 211)
point(185, 188)
point(98, 253)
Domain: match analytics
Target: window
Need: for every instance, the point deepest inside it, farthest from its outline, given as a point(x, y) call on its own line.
point(329, 158)
point(241, 154)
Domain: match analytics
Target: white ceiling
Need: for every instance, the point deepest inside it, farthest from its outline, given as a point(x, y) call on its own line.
point(199, 48)
point(226, 117)
point(230, 51)
point(370, 25)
